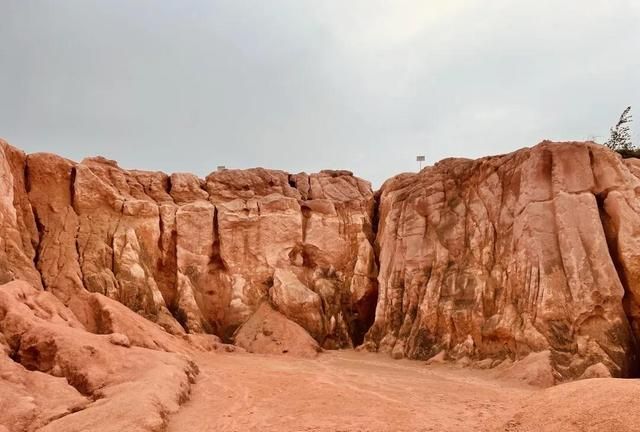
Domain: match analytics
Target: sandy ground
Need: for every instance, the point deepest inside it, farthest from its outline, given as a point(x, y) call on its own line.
point(344, 391)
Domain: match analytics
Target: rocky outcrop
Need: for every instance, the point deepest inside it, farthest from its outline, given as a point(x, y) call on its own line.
point(89, 250)
point(194, 255)
point(19, 238)
point(504, 256)
point(482, 261)
point(55, 374)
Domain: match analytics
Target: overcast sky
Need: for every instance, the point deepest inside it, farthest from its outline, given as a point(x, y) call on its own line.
point(307, 85)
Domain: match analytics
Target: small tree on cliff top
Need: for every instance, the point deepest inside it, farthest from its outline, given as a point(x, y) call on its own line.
point(620, 139)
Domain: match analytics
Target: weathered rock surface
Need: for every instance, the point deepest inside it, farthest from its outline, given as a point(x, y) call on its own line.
point(55, 375)
point(193, 255)
point(19, 238)
point(482, 261)
point(504, 256)
point(270, 332)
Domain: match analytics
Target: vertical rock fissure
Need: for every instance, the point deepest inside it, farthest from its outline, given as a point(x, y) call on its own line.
point(39, 227)
point(74, 208)
point(38, 247)
point(72, 188)
point(367, 306)
point(216, 254)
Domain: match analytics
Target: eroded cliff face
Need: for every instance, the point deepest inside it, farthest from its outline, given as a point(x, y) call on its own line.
point(194, 255)
point(492, 259)
point(503, 256)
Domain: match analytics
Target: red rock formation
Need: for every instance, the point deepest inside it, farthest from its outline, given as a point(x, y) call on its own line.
point(503, 256)
point(535, 251)
point(193, 255)
point(76, 237)
point(19, 237)
point(270, 332)
point(56, 375)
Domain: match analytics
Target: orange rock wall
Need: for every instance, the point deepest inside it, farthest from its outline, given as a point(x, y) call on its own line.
point(190, 254)
point(492, 258)
point(507, 255)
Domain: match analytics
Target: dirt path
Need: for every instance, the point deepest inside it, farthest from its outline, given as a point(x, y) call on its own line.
point(342, 391)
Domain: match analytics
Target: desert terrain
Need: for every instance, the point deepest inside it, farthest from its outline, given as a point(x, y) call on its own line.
point(496, 294)
point(366, 392)
point(343, 391)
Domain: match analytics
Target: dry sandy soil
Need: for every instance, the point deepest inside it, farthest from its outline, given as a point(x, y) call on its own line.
point(347, 391)
point(344, 391)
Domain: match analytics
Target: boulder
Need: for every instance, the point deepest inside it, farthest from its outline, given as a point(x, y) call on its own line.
point(269, 332)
